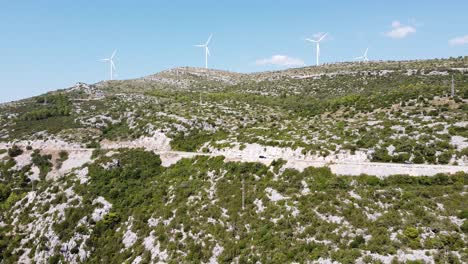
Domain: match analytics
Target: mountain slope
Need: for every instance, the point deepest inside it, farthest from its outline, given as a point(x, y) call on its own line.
point(192, 165)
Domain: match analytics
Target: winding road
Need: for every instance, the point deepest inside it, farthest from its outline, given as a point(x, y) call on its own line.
point(350, 168)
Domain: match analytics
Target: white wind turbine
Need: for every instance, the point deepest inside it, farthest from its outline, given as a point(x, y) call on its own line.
point(111, 64)
point(207, 50)
point(318, 45)
point(364, 58)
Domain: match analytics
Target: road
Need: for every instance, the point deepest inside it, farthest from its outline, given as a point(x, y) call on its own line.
point(170, 157)
point(339, 168)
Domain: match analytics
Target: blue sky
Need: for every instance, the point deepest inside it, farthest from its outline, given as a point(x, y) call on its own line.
point(51, 44)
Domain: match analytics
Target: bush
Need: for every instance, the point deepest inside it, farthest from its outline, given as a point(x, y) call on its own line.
point(63, 156)
point(55, 259)
point(463, 214)
point(464, 226)
point(400, 158)
point(4, 192)
point(57, 105)
point(445, 157)
point(42, 161)
point(418, 158)
point(381, 155)
point(111, 220)
point(358, 241)
point(15, 151)
point(93, 145)
point(411, 232)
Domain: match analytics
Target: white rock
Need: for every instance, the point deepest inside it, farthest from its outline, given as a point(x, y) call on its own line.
point(274, 195)
point(259, 204)
point(99, 213)
point(217, 250)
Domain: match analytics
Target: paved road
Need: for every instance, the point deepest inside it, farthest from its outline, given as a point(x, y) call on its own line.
point(339, 167)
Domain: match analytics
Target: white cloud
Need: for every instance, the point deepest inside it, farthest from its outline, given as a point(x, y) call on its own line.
point(399, 30)
point(396, 24)
point(281, 60)
point(459, 41)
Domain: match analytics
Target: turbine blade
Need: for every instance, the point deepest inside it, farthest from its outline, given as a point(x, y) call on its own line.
point(311, 40)
point(324, 35)
point(112, 64)
point(113, 54)
point(200, 46)
point(209, 39)
point(365, 53)
point(208, 51)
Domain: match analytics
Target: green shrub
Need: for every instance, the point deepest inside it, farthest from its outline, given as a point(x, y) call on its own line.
point(14, 151)
point(381, 155)
point(42, 162)
point(4, 192)
point(418, 158)
point(445, 157)
point(111, 220)
point(357, 242)
point(63, 155)
point(463, 214)
point(464, 226)
point(57, 105)
point(411, 232)
point(93, 145)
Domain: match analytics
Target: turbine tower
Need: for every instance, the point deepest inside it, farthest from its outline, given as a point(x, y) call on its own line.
point(207, 50)
point(111, 64)
point(364, 58)
point(453, 87)
point(318, 45)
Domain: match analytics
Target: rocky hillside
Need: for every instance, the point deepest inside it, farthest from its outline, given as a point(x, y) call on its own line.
point(192, 165)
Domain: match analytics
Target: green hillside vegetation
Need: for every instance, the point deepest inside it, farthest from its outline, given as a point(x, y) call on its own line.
point(323, 114)
point(120, 205)
point(48, 106)
point(139, 188)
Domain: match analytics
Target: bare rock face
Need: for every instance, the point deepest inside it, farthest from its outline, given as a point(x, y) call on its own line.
point(92, 91)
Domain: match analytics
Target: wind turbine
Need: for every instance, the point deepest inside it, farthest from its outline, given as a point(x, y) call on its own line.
point(111, 64)
point(364, 58)
point(318, 45)
point(207, 50)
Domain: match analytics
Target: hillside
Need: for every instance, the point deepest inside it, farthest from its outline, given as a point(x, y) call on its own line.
point(348, 162)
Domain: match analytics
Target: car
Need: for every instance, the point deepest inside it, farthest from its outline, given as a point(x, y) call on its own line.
point(262, 157)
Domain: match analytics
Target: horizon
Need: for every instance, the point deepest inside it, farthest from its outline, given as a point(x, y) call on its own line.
point(55, 45)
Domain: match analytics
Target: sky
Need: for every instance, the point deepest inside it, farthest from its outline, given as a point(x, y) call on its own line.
point(52, 44)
